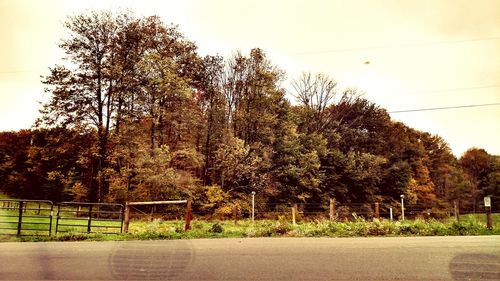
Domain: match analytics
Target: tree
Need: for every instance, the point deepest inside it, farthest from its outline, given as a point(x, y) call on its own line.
point(476, 163)
point(45, 164)
point(295, 163)
point(85, 93)
point(120, 69)
point(212, 104)
point(252, 94)
point(315, 95)
point(441, 164)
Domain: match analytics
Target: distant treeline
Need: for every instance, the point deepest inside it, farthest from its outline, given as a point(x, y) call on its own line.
point(137, 114)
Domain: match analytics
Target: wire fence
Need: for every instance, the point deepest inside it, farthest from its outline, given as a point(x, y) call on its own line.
point(305, 211)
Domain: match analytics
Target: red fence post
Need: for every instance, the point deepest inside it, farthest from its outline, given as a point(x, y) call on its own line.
point(188, 216)
point(235, 214)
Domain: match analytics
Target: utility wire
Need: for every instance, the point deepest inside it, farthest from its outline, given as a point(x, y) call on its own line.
point(445, 108)
point(396, 46)
point(19, 72)
point(453, 89)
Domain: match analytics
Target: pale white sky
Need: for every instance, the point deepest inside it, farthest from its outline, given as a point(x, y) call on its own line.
point(422, 53)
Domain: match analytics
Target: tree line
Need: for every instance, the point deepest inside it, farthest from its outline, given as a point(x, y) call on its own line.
point(135, 113)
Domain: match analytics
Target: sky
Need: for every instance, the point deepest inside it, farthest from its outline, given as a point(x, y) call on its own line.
point(403, 55)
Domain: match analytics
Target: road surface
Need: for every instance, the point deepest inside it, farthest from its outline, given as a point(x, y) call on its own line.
point(395, 258)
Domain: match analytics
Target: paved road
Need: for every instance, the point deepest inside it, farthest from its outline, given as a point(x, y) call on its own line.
point(398, 258)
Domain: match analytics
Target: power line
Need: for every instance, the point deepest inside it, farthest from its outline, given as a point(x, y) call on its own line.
point(445, 108)
point(396, 46)
point(454, 89)
point(19, 71)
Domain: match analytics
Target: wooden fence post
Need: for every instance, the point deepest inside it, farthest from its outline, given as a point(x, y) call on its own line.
point(456, 211)
point(294, 213)
point(152, 213)
point(188, 216)
point(235, 214)
point(377, 210)
point(489, 220)
point(126, 218)
point(332, 209)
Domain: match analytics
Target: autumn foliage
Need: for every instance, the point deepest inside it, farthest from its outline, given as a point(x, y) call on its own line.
point(135, 113)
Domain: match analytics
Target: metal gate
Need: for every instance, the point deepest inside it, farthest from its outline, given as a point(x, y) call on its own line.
point(78, 217)
point(26, 217)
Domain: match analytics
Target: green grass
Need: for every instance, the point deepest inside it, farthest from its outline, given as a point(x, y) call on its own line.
point(75, 230)
point(145, 230)
point(480, 218)
point(141, 230)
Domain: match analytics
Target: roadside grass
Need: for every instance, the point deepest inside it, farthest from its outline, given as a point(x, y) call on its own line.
point(480, 218)
point(474, 224)
point(36, 228)
point(157, 230)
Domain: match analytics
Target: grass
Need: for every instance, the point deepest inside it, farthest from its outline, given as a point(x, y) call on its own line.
point(141, 230)
point(36, 226)
point(480, 218)
point(145, 230)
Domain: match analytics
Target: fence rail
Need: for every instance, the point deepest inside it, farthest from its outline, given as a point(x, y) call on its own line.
point(101, 218)
point(26, 217)
point(35, 217)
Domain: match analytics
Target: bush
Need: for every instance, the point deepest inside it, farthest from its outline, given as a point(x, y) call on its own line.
point(216, 228)
point(282, 226)
point(434, 213)
point(344, 213)
point(378, 228)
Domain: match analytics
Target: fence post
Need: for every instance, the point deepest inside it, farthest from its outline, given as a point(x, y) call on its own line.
point(294, 213)
point(89, 225)
point(126, 218)
point(456, 211)
point(377, 210)
point(390, 213)
point(489, 221)
point(152, 212)
point(235, 214)
point(20, 220)
point(188, 216)
point(51, 217)
point(253, 208)
point(332, 209)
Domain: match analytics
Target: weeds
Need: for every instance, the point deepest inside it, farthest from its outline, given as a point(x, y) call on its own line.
point(281, 228)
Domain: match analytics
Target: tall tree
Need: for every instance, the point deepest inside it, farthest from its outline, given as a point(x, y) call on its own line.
point(252, 92)
point(212, 103)
point(477, 163)
point(315, 94)
point(117, 66)
point(84, 93)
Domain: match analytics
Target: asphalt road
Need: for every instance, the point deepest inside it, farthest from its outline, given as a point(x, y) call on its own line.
point(396, 258)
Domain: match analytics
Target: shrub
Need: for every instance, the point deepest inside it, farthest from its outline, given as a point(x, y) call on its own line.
point(366, 211)
point(282, 227)
point(216, 228)
point(378, 228)
point(344, 213)
point(361, 228)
